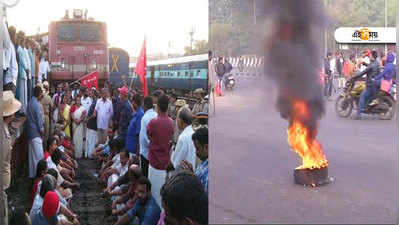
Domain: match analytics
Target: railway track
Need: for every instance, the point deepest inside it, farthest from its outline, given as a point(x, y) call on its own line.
point(88, 202)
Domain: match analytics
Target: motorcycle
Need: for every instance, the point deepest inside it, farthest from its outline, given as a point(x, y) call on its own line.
point(229, 82)
point(382, 104)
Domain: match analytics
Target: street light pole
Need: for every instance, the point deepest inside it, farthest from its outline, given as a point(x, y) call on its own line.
point(254, 12)
point(386, 18)
point(325, 31)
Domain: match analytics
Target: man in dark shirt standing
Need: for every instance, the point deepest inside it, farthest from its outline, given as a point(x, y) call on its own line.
point(328, 76)
point(126, 113)
point(160, 132)
point(35, 130)
point(91, 129)
point(132, 137)
point(145, 209)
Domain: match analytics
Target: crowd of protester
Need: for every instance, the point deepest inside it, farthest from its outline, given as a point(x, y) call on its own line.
point(144, 148)
point(342, 67)
point(152, 152)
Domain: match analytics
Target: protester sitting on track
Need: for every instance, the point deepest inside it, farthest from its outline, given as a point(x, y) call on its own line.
point(65, 163)
point(118, 169)
point(47, 214)
point(67, 153)
point(123, 191)
point(65, 210)
point(47, 184)
point(55, 160)
point(64, 140)
point(41, 171)
point(103, 150)
point(65, 194)
point(64, 180)
point(184, 200)
point(112, 157)
point(145, 210)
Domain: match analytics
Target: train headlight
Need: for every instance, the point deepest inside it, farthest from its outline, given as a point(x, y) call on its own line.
point(62, 63)
point(94, 65)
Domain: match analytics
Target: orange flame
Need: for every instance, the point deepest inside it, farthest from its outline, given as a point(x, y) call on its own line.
point(302, 140)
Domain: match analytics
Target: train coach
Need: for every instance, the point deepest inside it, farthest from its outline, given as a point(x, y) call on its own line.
point(182, 74)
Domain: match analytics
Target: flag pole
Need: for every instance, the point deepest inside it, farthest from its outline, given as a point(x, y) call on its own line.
point(76, 81)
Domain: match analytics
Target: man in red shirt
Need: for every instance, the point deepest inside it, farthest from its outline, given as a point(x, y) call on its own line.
point(159, 132)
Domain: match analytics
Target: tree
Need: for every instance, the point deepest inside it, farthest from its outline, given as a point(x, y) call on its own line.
point(359, 13)
point(199, 47)
point(221, 37)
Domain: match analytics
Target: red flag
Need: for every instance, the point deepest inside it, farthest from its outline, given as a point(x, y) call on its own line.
point(141, 68)
point(90, 80)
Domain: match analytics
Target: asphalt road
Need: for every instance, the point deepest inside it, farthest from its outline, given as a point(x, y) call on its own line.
point(251, 178)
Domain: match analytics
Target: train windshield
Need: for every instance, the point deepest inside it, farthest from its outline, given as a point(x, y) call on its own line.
point(67, 32)
point(90, 32)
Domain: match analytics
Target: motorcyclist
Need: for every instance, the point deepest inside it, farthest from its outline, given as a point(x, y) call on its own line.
point(228, 68)
point(220, 71)
point(372, 70)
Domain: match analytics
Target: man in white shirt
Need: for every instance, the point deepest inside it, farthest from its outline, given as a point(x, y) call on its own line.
point(6, 47)
point(44, 68)
point(103, 112)
point(12, 72)
point(119, 168)
point(86, 100)
point(29, 66)
point(332, 64)
point(149, 114)
point(185, 149)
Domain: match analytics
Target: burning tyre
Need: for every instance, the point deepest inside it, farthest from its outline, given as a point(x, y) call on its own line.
point(302, 140)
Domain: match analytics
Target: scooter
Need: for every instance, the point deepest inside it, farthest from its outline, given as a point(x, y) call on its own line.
point(229, 82)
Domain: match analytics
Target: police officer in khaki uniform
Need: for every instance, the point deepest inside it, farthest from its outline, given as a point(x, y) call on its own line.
point(46, 103)
point(202, 104)
point(10, 107)
point(180, 103)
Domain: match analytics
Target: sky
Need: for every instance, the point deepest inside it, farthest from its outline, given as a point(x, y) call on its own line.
point(128, 21)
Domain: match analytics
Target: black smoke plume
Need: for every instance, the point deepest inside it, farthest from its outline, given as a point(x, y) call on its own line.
point(293, 56)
